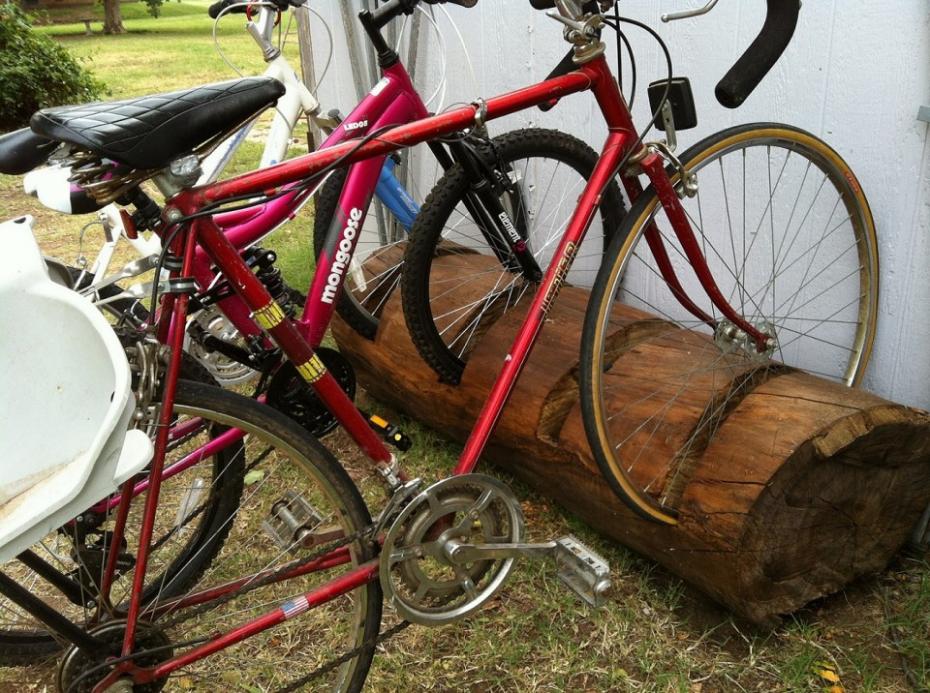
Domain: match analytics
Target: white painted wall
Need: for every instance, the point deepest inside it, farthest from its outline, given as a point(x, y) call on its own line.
point(855, 74)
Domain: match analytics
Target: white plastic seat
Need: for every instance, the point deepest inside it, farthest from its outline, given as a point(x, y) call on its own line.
point(65, 400)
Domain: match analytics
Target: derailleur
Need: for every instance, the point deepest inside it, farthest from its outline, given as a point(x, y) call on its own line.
point(453, 546)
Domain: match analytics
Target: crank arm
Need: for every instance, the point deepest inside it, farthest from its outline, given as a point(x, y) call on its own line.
point(463, 554)
point(582, 570)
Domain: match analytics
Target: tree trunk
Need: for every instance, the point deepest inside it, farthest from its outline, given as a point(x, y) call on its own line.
point(803, 486)
point(112, 18)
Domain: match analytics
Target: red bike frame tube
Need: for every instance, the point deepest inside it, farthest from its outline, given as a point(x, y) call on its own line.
point(621, 135)
point(325, 593)
point(285, 334)
point(542, 303)
point(338, 557)
point(273, 178)
point(178, 315)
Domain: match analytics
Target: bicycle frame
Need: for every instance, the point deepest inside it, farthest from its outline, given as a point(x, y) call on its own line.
point(204, 232)
point(391, 101)
point(595, 77)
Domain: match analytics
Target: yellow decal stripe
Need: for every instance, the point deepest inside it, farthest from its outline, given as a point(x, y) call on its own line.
point(312, 370)
point(269, 317)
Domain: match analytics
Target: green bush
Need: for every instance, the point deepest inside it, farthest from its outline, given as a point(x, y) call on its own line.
point(36, 72)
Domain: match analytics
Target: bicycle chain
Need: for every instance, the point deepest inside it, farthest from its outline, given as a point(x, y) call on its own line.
point(268, 579)
point(297, 684)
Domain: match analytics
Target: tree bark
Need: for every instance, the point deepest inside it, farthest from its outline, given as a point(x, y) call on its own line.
point(112, 17)
point(804, 485)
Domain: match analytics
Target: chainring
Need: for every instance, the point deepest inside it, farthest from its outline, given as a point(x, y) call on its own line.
point(417, 578)
point(290, 394)
point(76, 667)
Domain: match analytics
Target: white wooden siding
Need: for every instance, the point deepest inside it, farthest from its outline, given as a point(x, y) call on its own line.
point(855, 74)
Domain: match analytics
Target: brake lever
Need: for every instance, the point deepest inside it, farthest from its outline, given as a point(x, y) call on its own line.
point(687, 14)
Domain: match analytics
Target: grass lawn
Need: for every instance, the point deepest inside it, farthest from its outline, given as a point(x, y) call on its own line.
point(656, 634)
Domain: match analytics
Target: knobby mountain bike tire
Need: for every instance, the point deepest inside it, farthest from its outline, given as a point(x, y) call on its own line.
point(790, 241)
point(447, 311)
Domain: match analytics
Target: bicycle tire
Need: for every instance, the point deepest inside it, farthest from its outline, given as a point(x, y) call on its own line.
point(314, 469)
point(450, 192)
point(635, 427)
point(317, 464)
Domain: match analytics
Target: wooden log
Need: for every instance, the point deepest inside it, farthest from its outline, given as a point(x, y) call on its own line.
point(804, 486)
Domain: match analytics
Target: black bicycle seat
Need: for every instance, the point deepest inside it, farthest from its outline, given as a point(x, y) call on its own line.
point(151, 131)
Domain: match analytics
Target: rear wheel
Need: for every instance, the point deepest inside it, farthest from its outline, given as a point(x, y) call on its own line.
point(185, 544)
point(790, 241)
point(285, 466)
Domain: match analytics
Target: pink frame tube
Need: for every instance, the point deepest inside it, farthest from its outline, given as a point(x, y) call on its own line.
point(392, 101)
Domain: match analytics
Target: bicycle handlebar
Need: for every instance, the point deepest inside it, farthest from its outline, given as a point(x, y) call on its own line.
point(762, 54)
point(217, 7)
point(742, 79)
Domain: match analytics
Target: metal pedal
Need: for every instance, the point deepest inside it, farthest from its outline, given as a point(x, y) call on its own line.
point(583, 571)
point(292, 521)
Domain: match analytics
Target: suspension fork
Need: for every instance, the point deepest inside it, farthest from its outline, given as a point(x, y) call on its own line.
point(506, 236)
point(654, 167)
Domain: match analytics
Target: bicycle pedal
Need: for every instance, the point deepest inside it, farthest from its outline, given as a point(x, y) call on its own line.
point(583, 571)
point(292, 520)
point(390, 433)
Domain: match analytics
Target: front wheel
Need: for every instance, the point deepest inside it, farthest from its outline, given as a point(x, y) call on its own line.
point(459, 278)
point(790, 241)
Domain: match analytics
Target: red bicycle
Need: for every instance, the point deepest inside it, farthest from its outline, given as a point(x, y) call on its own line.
point(438, 553)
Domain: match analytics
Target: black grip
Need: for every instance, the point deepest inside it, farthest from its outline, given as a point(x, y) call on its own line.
point(221, 5)
point(762, 54)
point(590, 6)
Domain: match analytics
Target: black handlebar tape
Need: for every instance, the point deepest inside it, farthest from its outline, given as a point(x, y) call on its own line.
point(590, 6)
point(762, 54)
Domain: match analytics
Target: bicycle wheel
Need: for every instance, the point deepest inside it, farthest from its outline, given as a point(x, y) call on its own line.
point(285, 465)
point(186, 544)
point(790, 241)
point(458, 281)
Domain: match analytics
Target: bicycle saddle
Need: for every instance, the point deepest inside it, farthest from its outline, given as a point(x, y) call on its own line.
point(151, 131)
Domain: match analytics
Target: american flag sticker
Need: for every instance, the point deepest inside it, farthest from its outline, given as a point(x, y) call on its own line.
point(295, 607)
